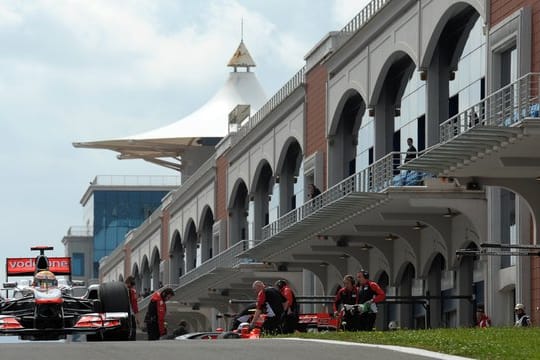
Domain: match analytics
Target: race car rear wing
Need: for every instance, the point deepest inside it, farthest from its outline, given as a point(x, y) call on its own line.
point(27, 266)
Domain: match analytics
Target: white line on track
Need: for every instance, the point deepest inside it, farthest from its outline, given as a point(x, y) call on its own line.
point(403, 349)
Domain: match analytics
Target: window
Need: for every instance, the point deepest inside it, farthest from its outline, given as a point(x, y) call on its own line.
point(77, 264)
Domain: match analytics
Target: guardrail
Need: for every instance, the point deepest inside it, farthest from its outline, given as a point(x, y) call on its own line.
point(136, 180)
point(291, 85)
point(504, 107)
point(377, 177)
point(227, 258)
point(364, 15)
point(80, 231)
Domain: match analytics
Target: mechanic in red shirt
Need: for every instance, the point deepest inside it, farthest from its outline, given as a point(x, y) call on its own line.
point(270, 301)
point(290, 320)
point(155, 315)
point(370, 294)
point(130, 284)
point(347, 295)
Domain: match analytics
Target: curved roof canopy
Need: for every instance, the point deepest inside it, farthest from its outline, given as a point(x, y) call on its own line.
point(169, 145)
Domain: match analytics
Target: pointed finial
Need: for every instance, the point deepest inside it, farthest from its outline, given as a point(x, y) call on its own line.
point(241, 57)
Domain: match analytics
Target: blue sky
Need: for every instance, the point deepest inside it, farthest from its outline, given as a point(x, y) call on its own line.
point(91, 70)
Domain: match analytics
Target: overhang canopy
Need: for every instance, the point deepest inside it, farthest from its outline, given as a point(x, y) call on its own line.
point(203, 128)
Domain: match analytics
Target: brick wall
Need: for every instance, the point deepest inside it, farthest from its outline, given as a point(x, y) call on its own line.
point(165, 219)
point(535, 283)
point(500, 9)
point(316, 113)
point(221, 188)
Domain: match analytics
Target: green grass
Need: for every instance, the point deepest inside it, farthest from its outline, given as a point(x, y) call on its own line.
point(490, 343)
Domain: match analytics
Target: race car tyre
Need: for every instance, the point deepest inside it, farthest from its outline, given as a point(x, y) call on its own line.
point(114, 297)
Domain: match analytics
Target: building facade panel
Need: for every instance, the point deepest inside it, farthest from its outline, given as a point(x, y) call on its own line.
point(315, 117)
point(465, 213)
point(291, 127)
point(221, 188)
point(501, 10)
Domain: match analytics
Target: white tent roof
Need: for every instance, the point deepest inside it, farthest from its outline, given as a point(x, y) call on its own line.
point(202, 127)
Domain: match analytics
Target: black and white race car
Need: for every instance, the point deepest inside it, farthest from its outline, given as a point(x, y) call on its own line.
point(45, 312)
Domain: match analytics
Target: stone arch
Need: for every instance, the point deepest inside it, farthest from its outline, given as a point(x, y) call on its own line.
point(154, 268)
point(440, 62)
point(238, 213)
point(463, 12)
point(191, 244)
point(145, 275)
point(136, 274)
point(206, 222)
point(343, 136)
point(390, 85)
point(261, 193)
point(287, 175)
point(177, 257)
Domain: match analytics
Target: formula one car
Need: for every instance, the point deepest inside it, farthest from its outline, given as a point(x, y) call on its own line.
point(244, 332)
point(45, 312)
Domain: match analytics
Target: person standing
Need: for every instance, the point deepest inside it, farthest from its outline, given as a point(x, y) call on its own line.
point(347, 295)
point(482, 320)
point(370, 294)
point(313, 191)
point(271, 301)
point(155, 315)
point(130, 284)
point(411, 150)
point(522, 319)
point(290, 320)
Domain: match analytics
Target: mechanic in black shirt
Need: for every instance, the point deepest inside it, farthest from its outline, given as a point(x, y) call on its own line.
point(369, 294)
point(270, 301)
point(347, 295)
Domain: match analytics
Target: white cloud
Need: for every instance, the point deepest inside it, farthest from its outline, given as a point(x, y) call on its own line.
point(8, 16)
point(345, 10)
point(94, 69)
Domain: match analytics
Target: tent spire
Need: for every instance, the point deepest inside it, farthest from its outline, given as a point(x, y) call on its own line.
point(241, 57)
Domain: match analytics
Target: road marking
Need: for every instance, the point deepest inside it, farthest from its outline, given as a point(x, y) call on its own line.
point(403, 349)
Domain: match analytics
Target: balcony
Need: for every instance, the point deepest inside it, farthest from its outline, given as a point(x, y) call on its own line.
point(212, 273)
point(351, 197)
point(495, 138)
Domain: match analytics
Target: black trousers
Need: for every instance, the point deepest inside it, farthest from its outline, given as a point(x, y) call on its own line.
point(272, 325)
point(290, 322)
point(352, 322)
point(367, 321)
point(153, 331)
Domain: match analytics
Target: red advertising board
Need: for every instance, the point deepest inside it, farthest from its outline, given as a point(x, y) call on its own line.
point(27, 266)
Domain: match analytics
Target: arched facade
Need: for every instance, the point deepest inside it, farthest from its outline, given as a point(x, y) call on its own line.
point(424, 65)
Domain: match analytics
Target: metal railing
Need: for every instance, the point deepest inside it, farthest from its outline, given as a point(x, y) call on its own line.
point(287, 89)
point(375, 178)
point(364, 15)
point(504, 107)
point(227, 258)
point(136, 180)
point(80, 231)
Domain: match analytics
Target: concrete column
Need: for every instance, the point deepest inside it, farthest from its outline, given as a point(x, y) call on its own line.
point(464, 286)
point(434, 288)
point(437, 90)
point(384, 126)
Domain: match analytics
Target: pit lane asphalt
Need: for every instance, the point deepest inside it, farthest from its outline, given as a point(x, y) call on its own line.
point(261, 349)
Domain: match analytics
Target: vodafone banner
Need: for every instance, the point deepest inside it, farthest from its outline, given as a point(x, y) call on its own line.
point(27, 266)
